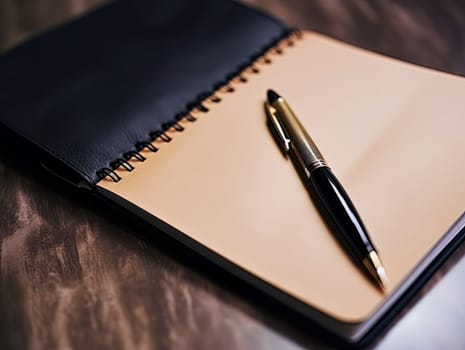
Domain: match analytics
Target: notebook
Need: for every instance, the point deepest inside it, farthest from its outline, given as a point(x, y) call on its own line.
point(165, 117)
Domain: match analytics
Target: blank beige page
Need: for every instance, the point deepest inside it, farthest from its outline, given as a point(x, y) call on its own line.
point(392, 132)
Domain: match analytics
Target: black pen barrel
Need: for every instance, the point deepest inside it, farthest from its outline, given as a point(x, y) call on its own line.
point(339, 209)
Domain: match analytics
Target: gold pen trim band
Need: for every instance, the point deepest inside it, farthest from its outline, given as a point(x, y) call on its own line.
point(319, 163)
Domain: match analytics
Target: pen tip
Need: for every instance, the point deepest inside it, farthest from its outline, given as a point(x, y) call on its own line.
point(373, 263)
point(272, 96)
point(382, 278)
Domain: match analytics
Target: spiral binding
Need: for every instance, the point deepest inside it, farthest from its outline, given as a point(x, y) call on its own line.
point(232, 81)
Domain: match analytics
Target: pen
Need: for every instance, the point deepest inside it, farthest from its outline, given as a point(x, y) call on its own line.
point(334, 202)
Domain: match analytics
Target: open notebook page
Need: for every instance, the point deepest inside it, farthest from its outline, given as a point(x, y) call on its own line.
point(393, 134)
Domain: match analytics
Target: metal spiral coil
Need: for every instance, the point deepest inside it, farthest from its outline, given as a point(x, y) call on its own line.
point(201, 104)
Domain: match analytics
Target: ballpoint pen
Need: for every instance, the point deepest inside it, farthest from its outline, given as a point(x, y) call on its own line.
point(334, 202)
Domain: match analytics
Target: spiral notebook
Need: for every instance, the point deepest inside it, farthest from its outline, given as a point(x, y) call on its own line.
point(187, 149)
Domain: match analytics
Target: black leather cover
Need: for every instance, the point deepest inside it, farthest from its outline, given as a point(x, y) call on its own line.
point(88, 91)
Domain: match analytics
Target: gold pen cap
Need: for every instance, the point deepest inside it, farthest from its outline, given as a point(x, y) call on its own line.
point(291, 133)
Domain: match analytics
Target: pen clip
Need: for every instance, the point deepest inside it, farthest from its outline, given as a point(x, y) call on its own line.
point(277, 129)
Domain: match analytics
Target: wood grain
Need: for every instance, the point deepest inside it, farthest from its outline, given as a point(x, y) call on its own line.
point(73, 276)
point(75, 273)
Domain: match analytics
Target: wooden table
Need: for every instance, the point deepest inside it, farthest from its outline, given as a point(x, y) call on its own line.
point(77, 274)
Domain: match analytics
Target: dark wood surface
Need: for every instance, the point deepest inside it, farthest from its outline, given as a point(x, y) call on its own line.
point(75, 273)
